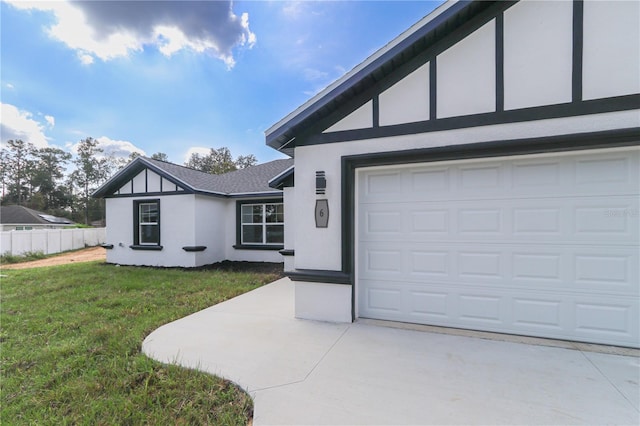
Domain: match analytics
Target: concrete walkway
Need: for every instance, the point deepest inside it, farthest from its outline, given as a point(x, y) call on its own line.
point(305, 372)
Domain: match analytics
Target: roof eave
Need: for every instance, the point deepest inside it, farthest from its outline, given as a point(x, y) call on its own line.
point(276, 181)
point(281, 134)
point(256, 194)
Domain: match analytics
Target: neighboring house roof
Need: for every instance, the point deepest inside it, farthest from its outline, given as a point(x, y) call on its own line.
point(20, 215)
point(248, 181)
point(427, 32)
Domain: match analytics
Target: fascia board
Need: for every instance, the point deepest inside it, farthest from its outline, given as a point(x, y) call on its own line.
point(279, 175)
point(256, 194)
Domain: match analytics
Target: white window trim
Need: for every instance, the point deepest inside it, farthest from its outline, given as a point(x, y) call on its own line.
point(264, 224)
point(141, 223)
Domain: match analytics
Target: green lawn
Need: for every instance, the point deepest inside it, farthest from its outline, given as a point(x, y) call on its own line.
point(70, 346)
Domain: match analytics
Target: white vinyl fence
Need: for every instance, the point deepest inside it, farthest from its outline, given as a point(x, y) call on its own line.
point(49, 241)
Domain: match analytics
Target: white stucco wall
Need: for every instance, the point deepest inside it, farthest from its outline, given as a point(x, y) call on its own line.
point(185, 220)
point(323, 302)
point(318, 248)
point(466, 75)
point(361, 118)
point(611, 57)
point(209, 215)
point(176, 231)
point(406, 101)
point(538, 47)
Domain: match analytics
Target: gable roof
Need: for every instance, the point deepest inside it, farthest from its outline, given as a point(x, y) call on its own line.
point(428, 31)
point(20, 215)
point(248, 181)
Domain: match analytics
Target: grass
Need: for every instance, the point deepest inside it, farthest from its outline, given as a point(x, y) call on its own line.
point(8, 258)
point(71, 338)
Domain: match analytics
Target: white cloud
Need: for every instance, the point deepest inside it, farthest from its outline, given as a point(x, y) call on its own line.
point(50, 120)
point(20, 124)
point(85, 58)
point(118, 148)
point(9, 86)
point(108, 30)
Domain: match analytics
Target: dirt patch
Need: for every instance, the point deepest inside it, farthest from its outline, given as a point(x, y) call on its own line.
point(85, 255)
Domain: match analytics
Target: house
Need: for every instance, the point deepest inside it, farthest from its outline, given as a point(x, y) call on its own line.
point(20, 218)
point(481, 171)
point(163, 214)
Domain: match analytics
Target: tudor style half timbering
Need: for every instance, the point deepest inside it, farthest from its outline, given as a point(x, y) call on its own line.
point(482, 172)
point(528, 56)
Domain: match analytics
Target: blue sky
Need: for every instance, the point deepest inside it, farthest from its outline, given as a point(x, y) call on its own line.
point(179, 77)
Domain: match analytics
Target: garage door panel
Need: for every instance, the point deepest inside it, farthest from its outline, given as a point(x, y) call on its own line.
point(531, 313)
point(615, 319)
point(536, 175)
point(559, 220)
point(603, 174)
point(480, 310)
point(541, 314)
point(489, 177)
point(538, 246)
point(607, 218)
point(607, 269)
point(608, 171)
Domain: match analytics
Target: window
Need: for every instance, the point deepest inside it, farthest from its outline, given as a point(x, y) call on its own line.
point(147, 223)
point(261, 224)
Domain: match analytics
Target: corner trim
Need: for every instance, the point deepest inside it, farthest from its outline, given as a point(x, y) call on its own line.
point(194, 248)
point(320, 276)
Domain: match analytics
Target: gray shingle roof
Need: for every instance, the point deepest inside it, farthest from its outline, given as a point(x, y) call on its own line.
point(251, 180)
point(26, 216)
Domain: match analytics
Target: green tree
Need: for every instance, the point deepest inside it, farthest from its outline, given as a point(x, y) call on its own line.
point(244, 161)
point(219, 161)
point(91, 170)
point(160, 156)
point(134, 155)
point(18, 165)
point(47, 177)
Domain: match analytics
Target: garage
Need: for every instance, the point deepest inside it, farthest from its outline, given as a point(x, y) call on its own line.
point(540, 245)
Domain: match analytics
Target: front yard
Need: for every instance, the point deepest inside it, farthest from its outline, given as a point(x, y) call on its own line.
point(70, 346)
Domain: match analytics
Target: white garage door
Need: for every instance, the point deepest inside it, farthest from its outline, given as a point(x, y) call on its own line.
point(541, 246)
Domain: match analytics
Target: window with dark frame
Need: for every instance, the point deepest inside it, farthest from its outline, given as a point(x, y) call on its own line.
point(147, 226)
point(262, 224)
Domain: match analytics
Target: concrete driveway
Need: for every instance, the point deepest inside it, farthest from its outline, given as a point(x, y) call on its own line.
point(305, 372)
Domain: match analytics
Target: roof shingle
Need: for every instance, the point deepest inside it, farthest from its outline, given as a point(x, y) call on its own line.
point(251, 180)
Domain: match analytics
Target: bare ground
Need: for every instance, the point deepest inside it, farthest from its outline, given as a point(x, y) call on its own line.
point(85, 255)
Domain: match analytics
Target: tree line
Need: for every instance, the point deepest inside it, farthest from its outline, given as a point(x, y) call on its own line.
point(37, 177)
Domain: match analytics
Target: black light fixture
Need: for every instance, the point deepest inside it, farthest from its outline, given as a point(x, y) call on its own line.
point(321, 182)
